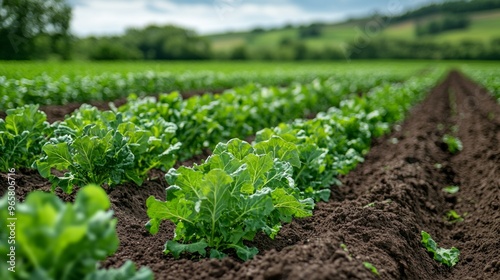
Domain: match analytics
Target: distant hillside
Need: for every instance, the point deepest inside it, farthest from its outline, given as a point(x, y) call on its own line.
point(484, 26)
point(483, 18)
point(450, 6)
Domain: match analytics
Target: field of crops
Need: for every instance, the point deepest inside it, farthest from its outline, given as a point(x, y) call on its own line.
point(350, 171)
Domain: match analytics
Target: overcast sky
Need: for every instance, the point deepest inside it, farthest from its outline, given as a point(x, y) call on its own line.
point(98, 17)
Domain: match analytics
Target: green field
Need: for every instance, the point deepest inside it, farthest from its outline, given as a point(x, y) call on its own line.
point(54, 69)
point(484, 27)
point(332, 34)
point(61, 83)
point(290, 165)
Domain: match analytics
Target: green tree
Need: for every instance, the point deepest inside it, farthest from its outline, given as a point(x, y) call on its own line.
point(109, 48)
point(26, 23)
point(239, 53)
point(313, 30)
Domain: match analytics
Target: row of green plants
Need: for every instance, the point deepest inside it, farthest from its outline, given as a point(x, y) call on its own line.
point(243, 188)
point(45, 90)
point(112, 147)
point(240, 190)
point(489, 79)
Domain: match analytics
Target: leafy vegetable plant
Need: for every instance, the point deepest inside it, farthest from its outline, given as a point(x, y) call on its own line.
point(447, 257)
point(246, 188)
point(239, 191)
point(98, 156)
point(62, 241)
point(102, 148)
point(45, 89)
point(22, 136)
point(454, 144)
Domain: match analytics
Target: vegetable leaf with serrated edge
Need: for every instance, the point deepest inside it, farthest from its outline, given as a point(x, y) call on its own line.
point(236, 193)
point(59, 240)
point(447, 257)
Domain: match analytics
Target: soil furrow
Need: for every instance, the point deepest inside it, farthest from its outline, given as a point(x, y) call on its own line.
point(478, 172)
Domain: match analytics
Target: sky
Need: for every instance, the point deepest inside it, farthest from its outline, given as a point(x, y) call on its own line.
point(99, 17)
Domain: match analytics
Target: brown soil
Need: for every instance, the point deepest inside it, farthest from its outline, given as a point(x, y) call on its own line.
point(403, 184)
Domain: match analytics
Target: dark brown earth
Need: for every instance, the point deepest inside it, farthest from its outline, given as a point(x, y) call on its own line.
point(402, 180)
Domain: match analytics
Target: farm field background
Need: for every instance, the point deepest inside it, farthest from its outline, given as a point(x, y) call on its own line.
point(56, 69)
point(31, 69)
point(154, 139)
point(321, 136)
point(482, 28)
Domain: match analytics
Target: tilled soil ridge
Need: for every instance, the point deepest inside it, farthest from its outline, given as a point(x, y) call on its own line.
point(477, 169)
point(376, 216)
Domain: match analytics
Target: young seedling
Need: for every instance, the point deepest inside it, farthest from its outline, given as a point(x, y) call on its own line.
point(454, 144)
point(447, 257)
point(452, 216)
point(371, 267)
point(371, 204)
point(451, 189)
point(344, 247)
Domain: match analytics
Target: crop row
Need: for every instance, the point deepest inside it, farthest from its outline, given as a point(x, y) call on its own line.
point(488, 79)
point(45, 90)
point(240, 190)
point(112, 147)
point(243, 188)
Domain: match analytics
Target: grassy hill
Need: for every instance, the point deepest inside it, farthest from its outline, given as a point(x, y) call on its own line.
point(483, 27)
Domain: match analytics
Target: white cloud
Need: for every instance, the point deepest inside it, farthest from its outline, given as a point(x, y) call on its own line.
point(114, 16)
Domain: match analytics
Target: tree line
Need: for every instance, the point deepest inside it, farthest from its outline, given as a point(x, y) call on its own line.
point(39, 29)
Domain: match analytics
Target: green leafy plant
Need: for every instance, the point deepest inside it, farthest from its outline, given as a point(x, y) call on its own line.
point(127, 271)
point(453, 217)
point(62, 241)
point(46, 89)
point(344, 247)
point(98, 156)
point(239, 191)
point(311, 172)
point(102, 148)
point(22, 136)
point(454, 144)
point(371, 204)
point(447, 257)
point(371, 267)
point(243, 189)
point(451, 189)
point(152, 140)
point(204, 121)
